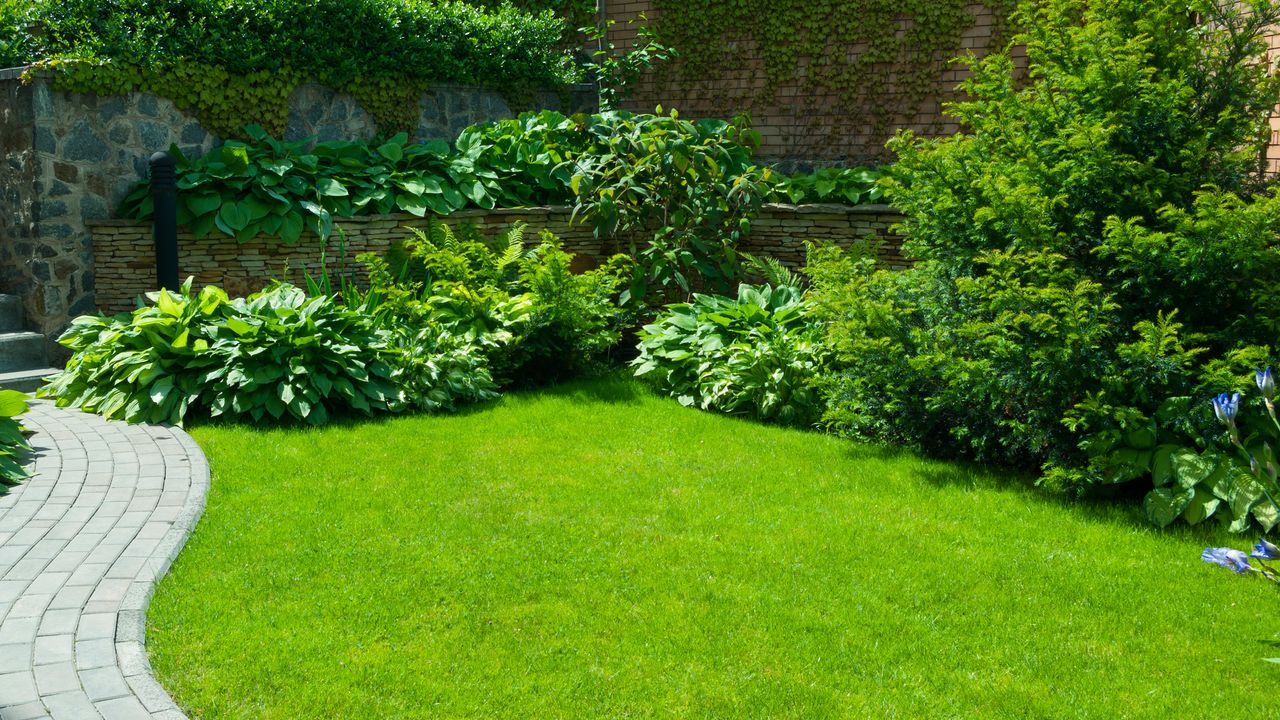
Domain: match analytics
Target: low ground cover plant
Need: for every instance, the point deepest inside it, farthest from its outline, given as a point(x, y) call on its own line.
point(533, 319)
point(1096, 257)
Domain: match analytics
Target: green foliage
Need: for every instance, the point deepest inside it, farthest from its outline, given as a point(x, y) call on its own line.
point(288, 356)
point(222, 59)
point(877, 58)
point(13, 441)
point(280, 188)
point(532, 318)
point(845, 186)
point(436, 370)
point(755, 355)
point(1084, 250)
point(575, 13)
point(16, 43)
point(616, 72)
point(276, 355)
point(530, 156)
point(691, 184)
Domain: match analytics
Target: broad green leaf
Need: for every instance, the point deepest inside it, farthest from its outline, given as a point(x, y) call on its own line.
point(1202, 506)
point(234, 216)
point(328, 187)
point(1162, 465)
point(203, 203)
point(1266, 515)
point(239, 327)
point(391, 151)
point(1163, 506)
point(1190, 469)
point(12, 403)
point(412, 204)
point(235, 157)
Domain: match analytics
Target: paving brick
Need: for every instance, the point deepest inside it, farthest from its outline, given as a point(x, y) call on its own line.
point(59, 622)
point(96, 625)
point(81, 544)
point(71, 706)
point(95, 653)
point(17, 688)
point(57, 678)
point(54, 649)
point(26, 711)
point(104, 683)
point(15, 657)
point(127, 708)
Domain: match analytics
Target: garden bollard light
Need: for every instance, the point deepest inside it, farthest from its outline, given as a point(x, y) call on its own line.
point(164, 190)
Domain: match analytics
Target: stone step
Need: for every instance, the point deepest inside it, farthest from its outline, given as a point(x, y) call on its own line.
point(25, 380)
point(22, 351)
point(11, 313)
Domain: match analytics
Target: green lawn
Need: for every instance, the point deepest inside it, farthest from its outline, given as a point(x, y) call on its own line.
point(596, 552)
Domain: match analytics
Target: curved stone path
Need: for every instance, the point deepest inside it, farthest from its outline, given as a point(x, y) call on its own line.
point(82, 544)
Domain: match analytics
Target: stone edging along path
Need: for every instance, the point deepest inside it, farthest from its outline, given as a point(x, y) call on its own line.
point(82, 544)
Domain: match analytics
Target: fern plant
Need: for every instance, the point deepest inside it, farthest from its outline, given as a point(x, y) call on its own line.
point(533, 317)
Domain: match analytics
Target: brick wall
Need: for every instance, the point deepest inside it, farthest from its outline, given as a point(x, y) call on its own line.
point(800, 127)
point(1273, 150)
point(125, 253)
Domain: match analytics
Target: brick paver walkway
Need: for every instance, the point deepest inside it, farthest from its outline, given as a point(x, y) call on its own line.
point(82, 544)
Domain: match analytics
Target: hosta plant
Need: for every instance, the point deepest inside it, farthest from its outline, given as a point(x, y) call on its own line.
point(435, 370)
point(756, 354)
point(277, 354)
point(845, 186)
point(287, 356)
point(144, 366)
point(13, 440)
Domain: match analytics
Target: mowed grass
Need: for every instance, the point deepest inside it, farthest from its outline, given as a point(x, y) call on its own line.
point(592, 551)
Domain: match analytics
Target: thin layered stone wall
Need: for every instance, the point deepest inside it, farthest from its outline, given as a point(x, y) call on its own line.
point(126, 255)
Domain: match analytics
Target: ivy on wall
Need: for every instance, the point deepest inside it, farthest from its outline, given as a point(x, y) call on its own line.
point(876, 58)
point(235, 63)
point(223, 103)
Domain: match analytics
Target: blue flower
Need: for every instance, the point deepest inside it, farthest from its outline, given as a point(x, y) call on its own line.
point(1229, 558)
point(1225, 408)
point(1265, 551)
point(1266, 382)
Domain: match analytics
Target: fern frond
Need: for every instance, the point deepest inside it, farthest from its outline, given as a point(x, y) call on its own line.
point(514, 250)
point(773, 271)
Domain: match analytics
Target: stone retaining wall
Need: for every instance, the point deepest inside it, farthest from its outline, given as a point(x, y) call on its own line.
point(67, 160)
point(125, 253)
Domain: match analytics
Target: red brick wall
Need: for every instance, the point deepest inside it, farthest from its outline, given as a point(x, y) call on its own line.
point(1273, 152)
point(822, 130)
point(795, 124)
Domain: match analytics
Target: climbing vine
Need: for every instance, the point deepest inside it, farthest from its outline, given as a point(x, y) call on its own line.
point(235, 63)
point(222, 102)
point(880, 58)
